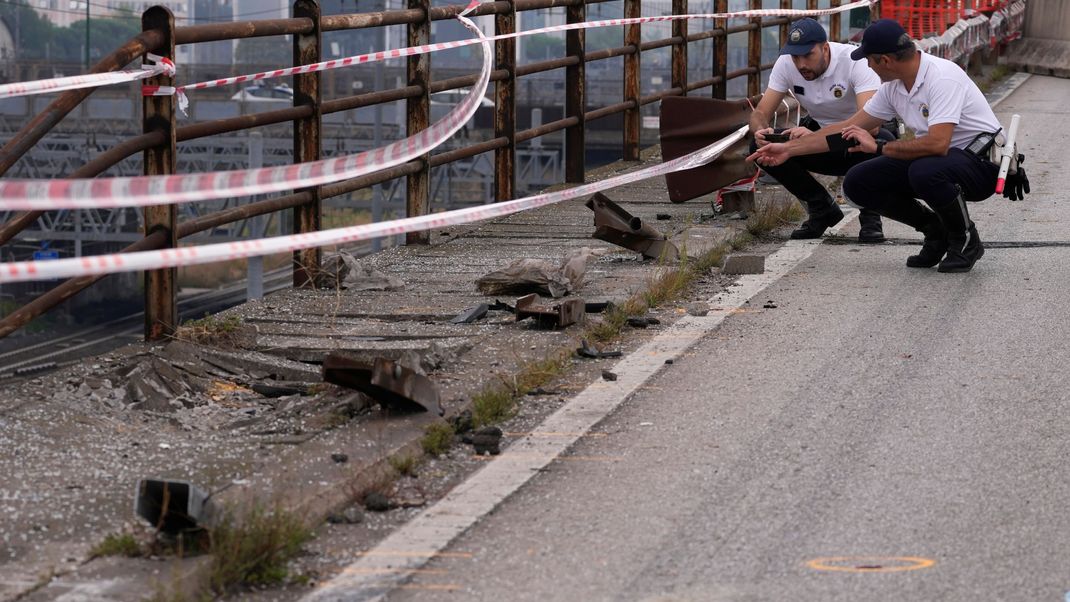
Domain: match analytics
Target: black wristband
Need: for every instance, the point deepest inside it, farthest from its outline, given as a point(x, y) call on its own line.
point(880, 147)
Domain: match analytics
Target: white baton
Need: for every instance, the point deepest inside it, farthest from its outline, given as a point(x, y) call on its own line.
point(1008, 153)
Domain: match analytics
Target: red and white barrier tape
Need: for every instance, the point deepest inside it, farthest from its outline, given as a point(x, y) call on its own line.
point(161, 65)
point(163, 190)
point(428, 48)
point(44, 195)
point(186, 256)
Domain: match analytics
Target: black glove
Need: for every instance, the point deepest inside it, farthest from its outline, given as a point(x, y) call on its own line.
point(1017, 184)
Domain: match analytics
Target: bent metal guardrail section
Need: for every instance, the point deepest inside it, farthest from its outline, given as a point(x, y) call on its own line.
point(162, 131)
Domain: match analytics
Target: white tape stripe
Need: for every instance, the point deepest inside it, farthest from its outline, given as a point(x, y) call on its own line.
point(153, 260)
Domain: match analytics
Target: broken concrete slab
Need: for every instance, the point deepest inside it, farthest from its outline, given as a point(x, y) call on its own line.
point(744, 263)
point(342, 270)
point(528, 275)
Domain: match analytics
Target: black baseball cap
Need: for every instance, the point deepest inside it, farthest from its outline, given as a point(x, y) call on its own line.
point(802, 36)
point(883, 36)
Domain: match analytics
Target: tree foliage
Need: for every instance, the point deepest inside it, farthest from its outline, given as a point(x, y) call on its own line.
point(38, 38)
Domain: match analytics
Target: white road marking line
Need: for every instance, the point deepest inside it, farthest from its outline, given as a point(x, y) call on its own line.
point(410, 547)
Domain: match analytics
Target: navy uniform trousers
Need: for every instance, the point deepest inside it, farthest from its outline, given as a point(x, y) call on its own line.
point(883, 181)
point(795, 173)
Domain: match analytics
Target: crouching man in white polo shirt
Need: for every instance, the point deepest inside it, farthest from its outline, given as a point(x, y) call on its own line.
point(831, 88)
point(946, 164)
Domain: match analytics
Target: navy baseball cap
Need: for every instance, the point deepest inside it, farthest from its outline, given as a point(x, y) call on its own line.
point(802, 36)
point(883, 36)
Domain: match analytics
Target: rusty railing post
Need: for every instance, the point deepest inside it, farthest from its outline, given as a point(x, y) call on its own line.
point(417, 116)
point(505, 106)
point(754, 53)
point(720, 50)
point(158, 113)
point(632, 82)
point(307, 132)
point(834, 22)
point(785, 27)
point(575, 96)
point(679, 48)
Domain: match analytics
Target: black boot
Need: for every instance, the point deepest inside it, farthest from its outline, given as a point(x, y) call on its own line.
point(824, 213)
point(964, 246)
point(912, 213)
point(871, 230)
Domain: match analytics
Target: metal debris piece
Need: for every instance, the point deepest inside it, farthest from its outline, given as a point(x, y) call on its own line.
point(607, 375)
point(597, 307)
point(585, 350)
point(385, 381)
point(275, 391)
point(486, 440)
point(642, 322)
point(172, 507)
point(558, 315)
point(500, 305)
point(471, 314)
point(662, 216)
point(613, 224)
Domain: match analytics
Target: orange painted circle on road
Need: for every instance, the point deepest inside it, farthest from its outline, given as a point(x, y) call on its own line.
point(870, 564)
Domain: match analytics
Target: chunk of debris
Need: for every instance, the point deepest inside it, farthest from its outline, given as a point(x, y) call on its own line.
point(558, 315)
point(280, 390)
point(698, 308)
point(538, 276)
point(486, 440)
point(350, 516)
point(343, 271)
point(744, 263)
point(173, 507)
point(615, 225)
point(585, 350)
point(462, 423)
point(500, 305)
point(642, 322)
point(390, 383)
point(339, 458)
point(607, 375)
point(377, 502)
point(597, 307)
point(471, 314)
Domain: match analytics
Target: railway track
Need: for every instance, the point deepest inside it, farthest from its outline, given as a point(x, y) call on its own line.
point(54, 353)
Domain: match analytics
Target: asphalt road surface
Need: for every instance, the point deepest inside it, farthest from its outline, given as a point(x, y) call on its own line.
point(883, 433)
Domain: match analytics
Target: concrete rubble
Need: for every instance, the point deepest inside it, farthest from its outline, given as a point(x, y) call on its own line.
point(256, 423)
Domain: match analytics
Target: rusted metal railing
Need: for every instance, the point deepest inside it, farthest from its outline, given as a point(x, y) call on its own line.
point(161, 133)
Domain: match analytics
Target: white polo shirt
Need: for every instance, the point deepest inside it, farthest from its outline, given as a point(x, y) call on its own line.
point(942, 93)
point(831, 97)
